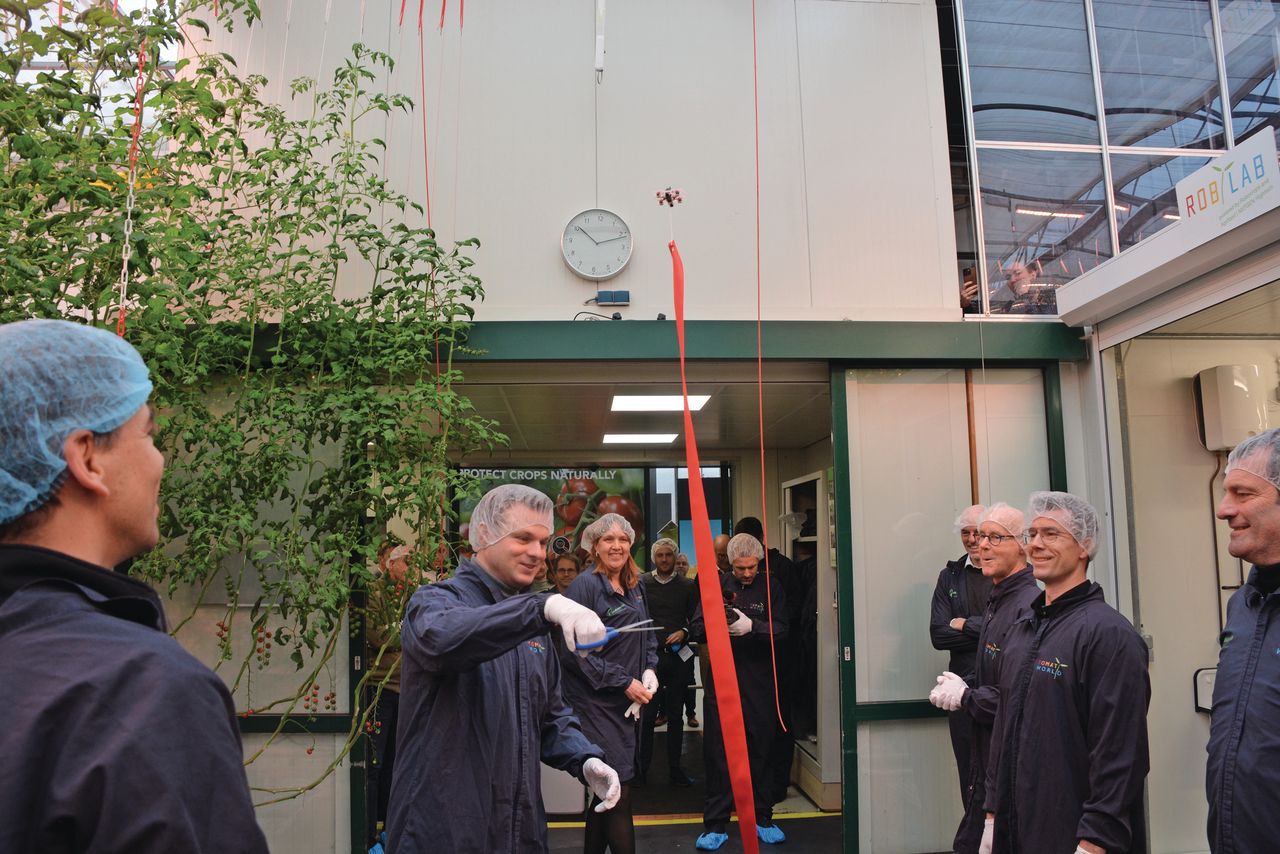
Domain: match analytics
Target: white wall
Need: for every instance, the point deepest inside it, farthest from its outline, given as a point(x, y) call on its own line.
point(1172, 520)
point(855, 188)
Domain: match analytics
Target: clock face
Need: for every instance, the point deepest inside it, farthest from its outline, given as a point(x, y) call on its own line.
point(596, 244)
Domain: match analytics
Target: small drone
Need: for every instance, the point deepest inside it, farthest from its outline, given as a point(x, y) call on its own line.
point(670, 196)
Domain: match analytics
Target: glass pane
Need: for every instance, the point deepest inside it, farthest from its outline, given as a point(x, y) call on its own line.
point(1045, 222)
point(966, 236)
point(1251, 42)
point(1159, 74)
point(1144, 192)
point(1029, 71)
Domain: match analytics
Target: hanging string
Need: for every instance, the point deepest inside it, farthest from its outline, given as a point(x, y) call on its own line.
point(728, 698)
point(764, 497)
point(132, 182)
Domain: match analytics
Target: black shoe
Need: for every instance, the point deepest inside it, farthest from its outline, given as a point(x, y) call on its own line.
point(681, 779)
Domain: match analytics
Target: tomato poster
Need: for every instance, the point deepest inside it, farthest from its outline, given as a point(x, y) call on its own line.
point(580, 496)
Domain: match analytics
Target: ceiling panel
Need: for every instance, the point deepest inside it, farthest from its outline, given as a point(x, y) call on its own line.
point(566, 407)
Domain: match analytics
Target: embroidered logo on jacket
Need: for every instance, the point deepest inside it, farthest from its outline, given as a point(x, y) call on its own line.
point(1226, 638)
point(952, 593)
point(1054, 668)
point(992, 649)
point(755, 608)
point(536, 646)
point(615, 610)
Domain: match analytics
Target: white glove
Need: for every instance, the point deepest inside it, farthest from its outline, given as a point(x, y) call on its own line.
point(949, 693)
point(633, 711)
point(649, 680)
point(577, 623)
point(740, 626)
point(988, 836)
point(1080, 850)
point(603, 782)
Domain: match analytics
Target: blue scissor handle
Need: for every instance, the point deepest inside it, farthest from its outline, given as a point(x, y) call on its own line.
point(609, 634)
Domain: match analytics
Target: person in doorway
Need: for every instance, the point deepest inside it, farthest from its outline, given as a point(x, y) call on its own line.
point(566, 569)
point(784, 574)
point(955, 621)
point(1069, 742)
point(1244, 753)
point(721, 547)
point(1002, 559)
point(107, 718)
point(759, 615)
point(609, 688)
point(480, 700)
point(673, 600)
point(685, 570)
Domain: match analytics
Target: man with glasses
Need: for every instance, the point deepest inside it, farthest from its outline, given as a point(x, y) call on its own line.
point(1002, 559)
point(672, 600)
point(1244, 751)
point(1069, 744)
point(955, 621)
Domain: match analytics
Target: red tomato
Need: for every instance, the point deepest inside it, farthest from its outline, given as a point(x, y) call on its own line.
point(573, 498)
point(624, 507)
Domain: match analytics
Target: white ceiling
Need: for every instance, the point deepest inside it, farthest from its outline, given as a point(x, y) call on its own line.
point(565, 407)
point(1254, 313)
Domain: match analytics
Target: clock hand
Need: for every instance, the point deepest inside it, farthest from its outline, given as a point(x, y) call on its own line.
point(611, 239)
point(589, 237)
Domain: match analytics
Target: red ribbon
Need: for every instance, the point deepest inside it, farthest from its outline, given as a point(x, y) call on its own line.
point(728, 700)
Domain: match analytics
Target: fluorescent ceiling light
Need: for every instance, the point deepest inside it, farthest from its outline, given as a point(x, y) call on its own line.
point(657, 402)
point(639, 438)
point(1062, 214)
point(1174, 217)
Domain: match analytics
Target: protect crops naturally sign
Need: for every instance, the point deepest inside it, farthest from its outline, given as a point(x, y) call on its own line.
point(1231, 190)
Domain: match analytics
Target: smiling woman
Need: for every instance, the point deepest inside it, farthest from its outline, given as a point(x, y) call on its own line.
point(607, 688)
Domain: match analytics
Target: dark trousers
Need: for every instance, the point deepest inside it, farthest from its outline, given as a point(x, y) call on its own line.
point(672, 679)
point(382, 757)
point(961, 725)
point(782, 751)
point(719, 805)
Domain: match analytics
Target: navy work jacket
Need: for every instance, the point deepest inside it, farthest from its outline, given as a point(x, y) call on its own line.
point(1243, 773)
point(1069, 743)
point(1009, 602)
point(114, 738)
point(595, 684)
point(480, 707)
point(751, 656)
point(951, 600)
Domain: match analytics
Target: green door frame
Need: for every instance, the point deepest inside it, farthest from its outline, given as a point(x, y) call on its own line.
point(853, 712)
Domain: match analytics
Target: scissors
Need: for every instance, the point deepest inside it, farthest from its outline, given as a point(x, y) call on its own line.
point(610, 633)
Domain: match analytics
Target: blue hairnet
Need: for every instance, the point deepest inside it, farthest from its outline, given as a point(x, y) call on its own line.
point(57, 377)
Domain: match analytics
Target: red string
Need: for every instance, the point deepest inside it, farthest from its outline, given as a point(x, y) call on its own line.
point(132, 174)
point(728, 699)
point(59, 12)
point(443, 5)
point(403, 3)
point(422, 79)
point(462, 9)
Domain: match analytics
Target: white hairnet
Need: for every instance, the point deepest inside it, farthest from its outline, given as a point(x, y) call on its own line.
point(664, 542)
point(492, 519)
point(744, 545)
point(969, 517)
point(1260, 456)
point(1007, 517)
point(1072, 512)
point(604, 525)
point(57, 377)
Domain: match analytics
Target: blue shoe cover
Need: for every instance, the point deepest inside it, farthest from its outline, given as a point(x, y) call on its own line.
point(711, 841)
point(377, 849)
point(771, 834)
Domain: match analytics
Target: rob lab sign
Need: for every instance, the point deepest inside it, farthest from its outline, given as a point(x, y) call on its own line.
point(1230, 190)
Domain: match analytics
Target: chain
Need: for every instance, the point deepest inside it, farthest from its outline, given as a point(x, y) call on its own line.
point(132, 179)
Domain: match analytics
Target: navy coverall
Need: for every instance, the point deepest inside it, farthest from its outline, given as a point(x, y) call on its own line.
point(672, 605)
point(480, 707)
point(1244, 733)
point(1069, 744)
point(595, 685)
point(754, 663)
point(114, 737)
point(1009, 600)
point(961, 591)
